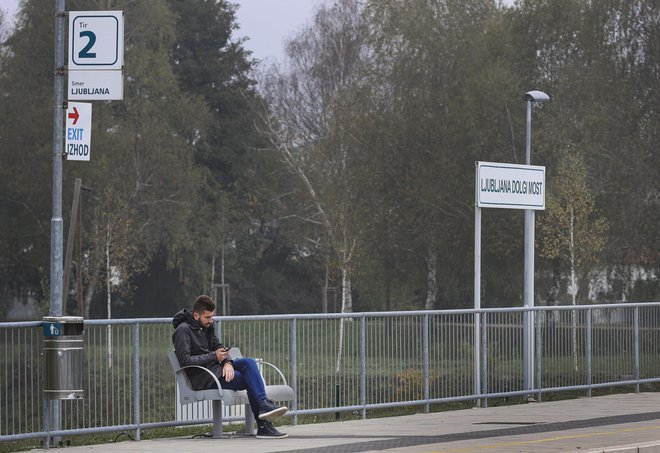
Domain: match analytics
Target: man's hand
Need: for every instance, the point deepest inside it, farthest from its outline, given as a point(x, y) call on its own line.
point(228, 371)
point(221, 354)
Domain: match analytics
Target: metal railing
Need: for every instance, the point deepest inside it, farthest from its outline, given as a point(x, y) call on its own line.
point(336, 362)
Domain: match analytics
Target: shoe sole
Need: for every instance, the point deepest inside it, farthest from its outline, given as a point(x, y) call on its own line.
point(274, 413)
point(272, 437)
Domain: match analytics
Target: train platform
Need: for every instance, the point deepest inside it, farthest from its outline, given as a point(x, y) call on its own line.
point(622, 423)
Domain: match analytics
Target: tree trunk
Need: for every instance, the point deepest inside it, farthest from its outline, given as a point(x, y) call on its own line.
point(108, 289)
point(213, 275)
point(553, 294)
point(346, 297)
point(89, 292)
point(388, 292)
point(324, 296)
point(573, 292)
point(346, 307)
point(431, 278)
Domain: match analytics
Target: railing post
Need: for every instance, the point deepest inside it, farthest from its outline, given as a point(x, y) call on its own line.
point(477, 359)
point(528, 347)
point(539, 367)
point(136, 377)
point(46, 415)
point(425, 353)
point(294, 368)
point(589, 350)
point(484, 358)
point(637, 372)
point(218, 329)
point(363, 365)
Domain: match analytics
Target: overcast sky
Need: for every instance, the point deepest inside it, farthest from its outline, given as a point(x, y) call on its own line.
point(265, 23)
point(8, 6)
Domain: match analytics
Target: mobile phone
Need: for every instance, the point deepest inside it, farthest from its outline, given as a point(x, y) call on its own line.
point(226, 348)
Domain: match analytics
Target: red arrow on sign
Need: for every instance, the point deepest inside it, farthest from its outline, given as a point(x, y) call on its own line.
point(74, 115)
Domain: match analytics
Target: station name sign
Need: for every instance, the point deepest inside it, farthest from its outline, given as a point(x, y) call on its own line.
point(510, 186)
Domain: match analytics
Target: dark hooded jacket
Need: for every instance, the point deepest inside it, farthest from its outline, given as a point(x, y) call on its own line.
point(195, 345)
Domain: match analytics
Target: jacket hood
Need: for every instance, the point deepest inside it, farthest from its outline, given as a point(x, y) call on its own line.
point(185, 315)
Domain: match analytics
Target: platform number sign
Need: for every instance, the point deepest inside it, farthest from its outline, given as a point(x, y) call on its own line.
point(96, 40)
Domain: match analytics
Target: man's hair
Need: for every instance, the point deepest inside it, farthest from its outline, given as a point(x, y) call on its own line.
point(203, 303)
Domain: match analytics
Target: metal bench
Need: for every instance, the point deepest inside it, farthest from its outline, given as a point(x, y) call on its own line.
point(187, 395)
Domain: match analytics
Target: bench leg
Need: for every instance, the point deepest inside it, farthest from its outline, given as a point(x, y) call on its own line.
point(249, 421)
point(217, 419)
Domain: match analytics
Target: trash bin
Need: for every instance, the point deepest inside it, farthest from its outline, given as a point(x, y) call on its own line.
point(63, 357)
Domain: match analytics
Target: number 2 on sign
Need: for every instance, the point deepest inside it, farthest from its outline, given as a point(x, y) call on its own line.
point(85, 52)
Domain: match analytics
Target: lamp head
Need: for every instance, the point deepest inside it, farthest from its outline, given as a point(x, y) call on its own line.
point(536, 96)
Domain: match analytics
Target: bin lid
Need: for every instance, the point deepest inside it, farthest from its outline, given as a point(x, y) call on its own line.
point(63, 319)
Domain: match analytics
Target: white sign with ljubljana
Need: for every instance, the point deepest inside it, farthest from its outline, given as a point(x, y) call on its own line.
point(510, 186)
point(78, 132)
point(96, 55)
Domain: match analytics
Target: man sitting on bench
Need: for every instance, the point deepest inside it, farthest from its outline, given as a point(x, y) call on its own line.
point(195, 343)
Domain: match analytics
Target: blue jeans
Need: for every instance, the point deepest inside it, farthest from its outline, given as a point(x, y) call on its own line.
point(247, 377)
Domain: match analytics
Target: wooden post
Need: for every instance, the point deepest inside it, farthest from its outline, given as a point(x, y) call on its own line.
point(70, 241)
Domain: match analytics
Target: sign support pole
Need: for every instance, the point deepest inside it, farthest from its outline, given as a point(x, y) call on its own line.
point(477, 301)
point(528, 275)
point(56, 223)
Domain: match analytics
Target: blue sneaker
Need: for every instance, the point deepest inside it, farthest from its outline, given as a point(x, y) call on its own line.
point(266, 430)
point(268, 410)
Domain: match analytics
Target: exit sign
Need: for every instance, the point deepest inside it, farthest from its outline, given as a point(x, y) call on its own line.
point(78, 130)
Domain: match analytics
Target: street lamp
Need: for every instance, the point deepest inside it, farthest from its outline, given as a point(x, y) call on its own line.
point(528, 292)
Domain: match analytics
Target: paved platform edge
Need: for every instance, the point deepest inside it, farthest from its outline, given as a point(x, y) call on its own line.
point(643, 447)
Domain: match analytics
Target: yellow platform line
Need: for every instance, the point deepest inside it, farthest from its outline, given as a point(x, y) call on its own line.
point(548, 439)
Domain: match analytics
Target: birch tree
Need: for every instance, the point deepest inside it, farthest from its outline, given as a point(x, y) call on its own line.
point(313, 106)
point(572, 231)
point(311, 103)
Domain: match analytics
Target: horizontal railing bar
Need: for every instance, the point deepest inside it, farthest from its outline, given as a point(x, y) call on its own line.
point(376, 314)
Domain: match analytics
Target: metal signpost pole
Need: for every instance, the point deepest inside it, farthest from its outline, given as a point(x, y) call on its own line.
point(56, 223)
point(477, 288)
point(528, 292)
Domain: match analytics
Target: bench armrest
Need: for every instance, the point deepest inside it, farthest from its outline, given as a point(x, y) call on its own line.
point(235, 353)
point(276, 369)
point(215, 378)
